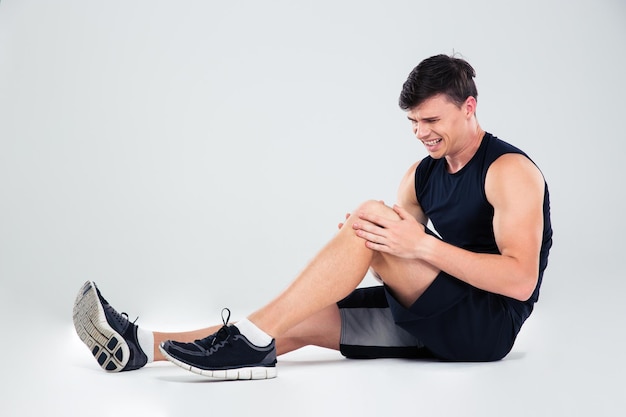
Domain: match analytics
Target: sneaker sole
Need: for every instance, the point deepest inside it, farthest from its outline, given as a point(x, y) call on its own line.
point(253, 372)
point(106, 345)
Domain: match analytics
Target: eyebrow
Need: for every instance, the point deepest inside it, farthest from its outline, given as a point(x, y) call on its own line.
point(425, 119)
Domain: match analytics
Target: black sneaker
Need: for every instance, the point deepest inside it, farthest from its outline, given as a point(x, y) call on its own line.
point(226, 354)
point(109, 335)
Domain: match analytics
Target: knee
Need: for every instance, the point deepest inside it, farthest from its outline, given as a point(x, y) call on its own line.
point(377, 207)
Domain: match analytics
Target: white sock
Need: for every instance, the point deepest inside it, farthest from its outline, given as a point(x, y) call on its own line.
point(146, 342)
point(255, 335)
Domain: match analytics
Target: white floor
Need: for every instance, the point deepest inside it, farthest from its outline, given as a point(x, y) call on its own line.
point(147, 145)
point(552, 371)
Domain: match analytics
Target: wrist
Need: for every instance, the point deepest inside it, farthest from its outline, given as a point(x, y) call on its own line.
point(427, 248)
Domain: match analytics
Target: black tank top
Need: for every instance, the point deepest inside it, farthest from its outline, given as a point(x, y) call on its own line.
point(457, 206)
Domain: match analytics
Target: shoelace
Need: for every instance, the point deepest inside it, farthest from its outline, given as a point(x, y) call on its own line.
point(221, 336)
point(127, 319)
point(121, 318)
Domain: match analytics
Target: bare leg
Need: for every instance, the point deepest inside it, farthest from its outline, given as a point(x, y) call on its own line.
point(306, 312)
point(407, 279)
point(321, 329)
point(336, 271)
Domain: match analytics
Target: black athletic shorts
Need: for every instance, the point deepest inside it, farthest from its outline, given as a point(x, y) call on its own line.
point(451, 321)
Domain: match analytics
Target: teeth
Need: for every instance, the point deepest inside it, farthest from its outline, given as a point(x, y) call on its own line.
point(432, 142)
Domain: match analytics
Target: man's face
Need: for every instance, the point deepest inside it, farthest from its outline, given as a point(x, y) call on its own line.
point(439, 124)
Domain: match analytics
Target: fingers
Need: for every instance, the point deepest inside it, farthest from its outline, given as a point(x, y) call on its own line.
point(385, 221)
point(377, 247)
point(374, 222)
point(369, 236)
point(368, 226)
point(401, 212)
point(374, 235)
point(340, 225)
point(373, 241)
point(374, 219)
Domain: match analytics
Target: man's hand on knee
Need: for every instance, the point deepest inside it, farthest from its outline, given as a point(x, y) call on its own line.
point(398, 234)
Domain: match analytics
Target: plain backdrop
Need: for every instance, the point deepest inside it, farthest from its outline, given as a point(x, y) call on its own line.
point(194, 155)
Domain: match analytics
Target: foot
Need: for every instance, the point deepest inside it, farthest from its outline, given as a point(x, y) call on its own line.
point(226, 354)
point(109, 335)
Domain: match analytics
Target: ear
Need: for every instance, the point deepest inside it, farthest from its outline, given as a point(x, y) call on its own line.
point(470, 106)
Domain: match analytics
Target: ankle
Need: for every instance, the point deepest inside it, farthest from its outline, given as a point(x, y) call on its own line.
point(145, 338)
point(253, 333)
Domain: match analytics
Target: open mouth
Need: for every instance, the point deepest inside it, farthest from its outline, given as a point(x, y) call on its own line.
point(432, 142)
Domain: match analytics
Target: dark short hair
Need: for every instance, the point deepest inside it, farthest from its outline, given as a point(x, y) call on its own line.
point(439, 74)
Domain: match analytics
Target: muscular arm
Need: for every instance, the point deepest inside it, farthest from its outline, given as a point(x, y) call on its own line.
point(515, 188)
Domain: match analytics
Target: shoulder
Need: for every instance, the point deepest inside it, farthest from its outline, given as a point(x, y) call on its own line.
point(410, 173)
point(418, 171)
point(504, 158)
point(514, 164)
point(512, 173)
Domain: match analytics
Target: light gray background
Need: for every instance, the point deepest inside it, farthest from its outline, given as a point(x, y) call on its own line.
point(192, 155)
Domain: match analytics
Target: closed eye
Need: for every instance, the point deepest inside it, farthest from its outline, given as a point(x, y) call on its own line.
point(426, 120)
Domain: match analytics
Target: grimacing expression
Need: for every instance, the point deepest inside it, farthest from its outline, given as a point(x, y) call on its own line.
point(439, 124)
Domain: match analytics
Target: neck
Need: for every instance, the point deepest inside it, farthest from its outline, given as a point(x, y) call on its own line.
point(469, 148)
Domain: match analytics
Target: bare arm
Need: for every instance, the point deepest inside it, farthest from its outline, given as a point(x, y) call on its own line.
point(407, 198)
point(515, 188)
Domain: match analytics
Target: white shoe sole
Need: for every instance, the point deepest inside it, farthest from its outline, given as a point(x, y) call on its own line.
point(254, 372)
point(106, 345)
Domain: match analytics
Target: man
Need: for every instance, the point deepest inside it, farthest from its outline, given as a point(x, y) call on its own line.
point(461, 294)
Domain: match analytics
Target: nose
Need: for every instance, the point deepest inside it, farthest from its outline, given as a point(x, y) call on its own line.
point(421, 131)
